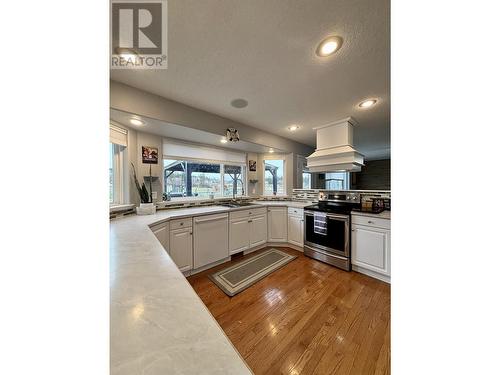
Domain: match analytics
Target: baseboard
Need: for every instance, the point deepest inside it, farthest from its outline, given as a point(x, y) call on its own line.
point(208, 266)
point(375, 275)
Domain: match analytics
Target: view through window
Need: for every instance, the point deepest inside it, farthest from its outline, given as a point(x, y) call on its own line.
point(274, 181)
point(111, 174)
point(306, 180)
point(183, 178)
point(337, 181)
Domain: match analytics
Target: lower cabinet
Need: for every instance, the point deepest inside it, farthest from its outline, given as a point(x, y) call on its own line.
point(161, 233)
point(239, 235)
point(296, 230)
point(371, 250)
point(247, 232)
point(210, 239)
point(277, 224)
point(181, 248)
point(258, 230)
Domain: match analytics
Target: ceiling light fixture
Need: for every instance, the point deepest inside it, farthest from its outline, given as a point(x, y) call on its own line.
point(328, 46)
point(271, 150)
point(367, 103)
point(223, 140)
point(293, 128)
point(136, 121)
point(126, 53)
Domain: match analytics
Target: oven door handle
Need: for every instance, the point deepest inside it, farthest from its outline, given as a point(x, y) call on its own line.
point(333, 216)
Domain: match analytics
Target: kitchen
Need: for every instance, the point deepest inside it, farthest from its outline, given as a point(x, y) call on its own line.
point(249, 187)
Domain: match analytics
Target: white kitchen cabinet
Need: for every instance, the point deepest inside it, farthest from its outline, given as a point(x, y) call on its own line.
point(247, 229)
point(277, 224)
point(371, 249)
point(258, 230)
point(211, 242)
point(161, 233)
point(181, 248)
point(239, 235)
point(296, 230)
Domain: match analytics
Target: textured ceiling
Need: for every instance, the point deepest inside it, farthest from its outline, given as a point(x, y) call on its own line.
point(263, 51)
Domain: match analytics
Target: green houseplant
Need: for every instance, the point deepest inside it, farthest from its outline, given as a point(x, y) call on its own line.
point(146, 197)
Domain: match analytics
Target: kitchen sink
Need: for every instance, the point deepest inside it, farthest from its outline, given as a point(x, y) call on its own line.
point(236, 204)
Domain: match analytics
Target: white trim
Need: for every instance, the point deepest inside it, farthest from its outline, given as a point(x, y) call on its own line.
point(118, 173)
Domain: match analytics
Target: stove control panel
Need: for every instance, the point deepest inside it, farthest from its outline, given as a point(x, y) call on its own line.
point(339, 196)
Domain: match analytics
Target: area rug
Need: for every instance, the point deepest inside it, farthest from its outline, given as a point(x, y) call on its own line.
point(240, 276)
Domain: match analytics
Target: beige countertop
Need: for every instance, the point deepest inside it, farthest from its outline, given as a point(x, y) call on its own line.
point(158, 324)
point(383, 215)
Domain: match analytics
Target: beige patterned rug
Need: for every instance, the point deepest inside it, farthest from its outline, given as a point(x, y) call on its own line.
point(240, 276)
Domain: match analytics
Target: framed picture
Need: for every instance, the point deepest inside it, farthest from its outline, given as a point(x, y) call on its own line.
point(252, 165)
point(149, 155)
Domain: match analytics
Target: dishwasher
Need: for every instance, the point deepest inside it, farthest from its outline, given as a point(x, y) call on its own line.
point(211, 242)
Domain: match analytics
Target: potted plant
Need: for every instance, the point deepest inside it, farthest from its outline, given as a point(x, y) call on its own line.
point(147, 206)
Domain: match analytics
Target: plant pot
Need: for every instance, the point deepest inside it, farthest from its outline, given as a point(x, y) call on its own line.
point(146, 209)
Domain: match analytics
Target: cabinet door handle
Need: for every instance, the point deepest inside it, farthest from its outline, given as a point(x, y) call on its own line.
point(181, 223)
point(370, 222)
point(250, 221)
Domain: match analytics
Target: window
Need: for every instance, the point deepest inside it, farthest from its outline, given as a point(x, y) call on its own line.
point(234, 175)
point(306, 180)
point(183, 178)
point(115, 174)
point(111, 174)
point(274, 177)
point(337, 181)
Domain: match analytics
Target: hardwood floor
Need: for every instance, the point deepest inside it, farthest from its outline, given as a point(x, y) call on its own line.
point(305, 318)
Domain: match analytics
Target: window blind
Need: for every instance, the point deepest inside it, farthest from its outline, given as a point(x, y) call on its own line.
point(178, 150)
point(117, 135)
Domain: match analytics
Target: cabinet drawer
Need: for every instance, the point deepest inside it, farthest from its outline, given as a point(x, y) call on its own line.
point(257, 211)
point(295, 211)
point(371, 221)
point(181, 223)
point(246, 213)
point(239, 214)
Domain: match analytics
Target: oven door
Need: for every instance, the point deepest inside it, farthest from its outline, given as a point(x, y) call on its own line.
point(336, 239)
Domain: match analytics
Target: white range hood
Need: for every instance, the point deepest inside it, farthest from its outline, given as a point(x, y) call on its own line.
point(334, 150)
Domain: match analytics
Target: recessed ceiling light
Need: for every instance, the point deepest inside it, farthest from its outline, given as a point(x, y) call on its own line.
point(239, 103)
point(271, 150)
point(329, 46)
point(136, 121)
point(223, 140)
point(293, 128)
point(367, 103)
point(126, 53)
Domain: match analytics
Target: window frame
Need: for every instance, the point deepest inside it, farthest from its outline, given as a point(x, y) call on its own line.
point(277, 157)
point(118, 174)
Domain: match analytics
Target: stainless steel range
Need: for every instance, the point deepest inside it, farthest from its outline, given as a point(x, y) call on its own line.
point(327, 228)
